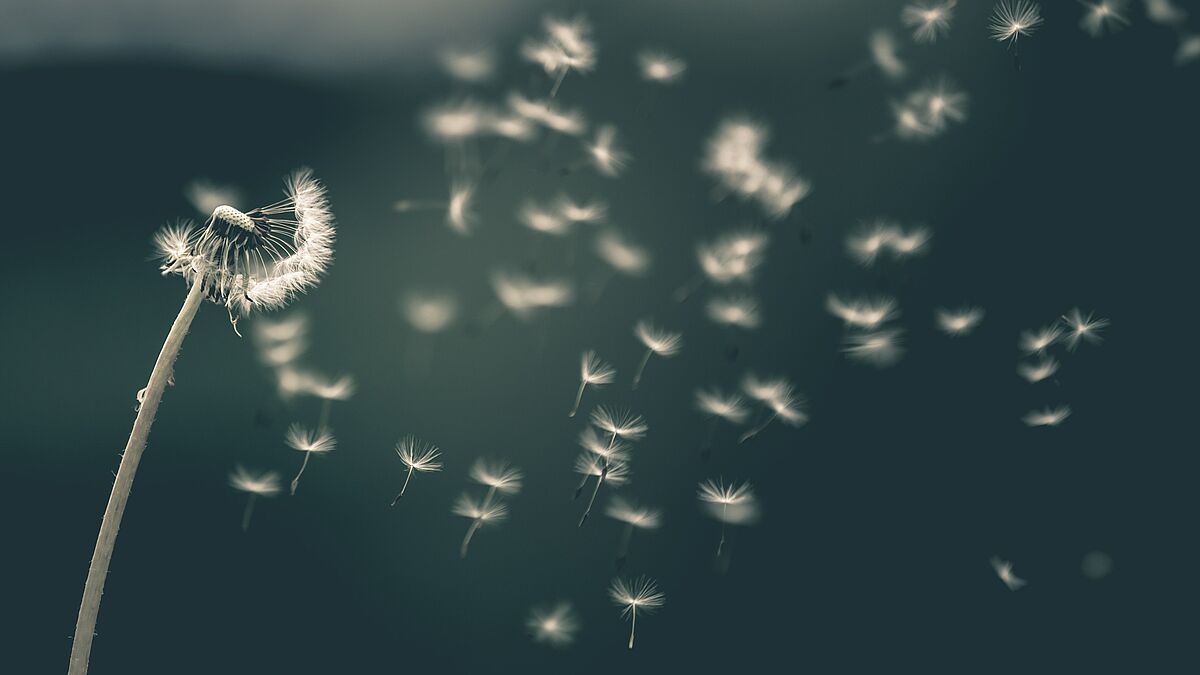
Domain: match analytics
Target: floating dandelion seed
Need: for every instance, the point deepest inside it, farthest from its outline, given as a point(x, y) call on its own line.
point(870, 240)
point(568, 46)
point(732, 504)
point(619, 425)
point(660, 67)
point(1105, 15)
point(481, 513)
point(1038, 370)
point(594, 372)
point(1003, 570)
point(280, 343)
point(544, 220)
point(476, 64)
point(524, 296)
point(740, 311)
point(458, 212)
point(622, 255)
point(555, 626)
point(885, 54)
point(429, 312)
point(417, 455)
point(1013, 19)
point(781, 400)
point(729, 407)
point(604, 154)
point(734, 157)
point(731, 257)
point(1038, 341)
point(941, 102)
point(1047, 417)
point(309, 442)
point(258, 259)
point(640, 594)
point(633, 516)
point(205, 196)
point(862, 312)
point(455, 122)
point(612, 470)
point(606, 452)
point(264, 484)
point(658, 341)
point(929, 20)
point(958, 322)
point(909, 123)
point(498, 476)
point(571, 123)
point(1188, 50)
point(581, 212)
point(879, 348)
point(1164, 12)
point(1082, 328)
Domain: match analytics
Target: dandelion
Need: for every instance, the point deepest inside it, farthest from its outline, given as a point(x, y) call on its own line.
point(734, 157)
point(941, 102)
point(1038, 341)
point(780, 399)
point(864, 313)
point(254, 260)
point(568, 46)
point(546, 221)
point(871, 239)
point(417, 455)
point(468, 65)
point(1100, 16)
point(581, 212)
point(732, 504)
point(1082, 328)
point(658, 341)
point(732, 257)
point(481, 513)
point(1038, 370)
point(555, 626)
point(909, 123)
point(309, 442)
point(497, 476)
point(640, 594)
point(740, 311)
point(429, 312)
point(1013, 19)
point(958, 322)
point(604, 154)
point(633, 516)
point(731, 408)
point(1003, 569)
point(205, 196)
point(264, 484)
point(1047, 417)
point(660, 67)
point(620, 425)
point(524, 296)
point(929, 20)
point(622, 255)
point(594, 372)
point(880, 348)
point(605, 452)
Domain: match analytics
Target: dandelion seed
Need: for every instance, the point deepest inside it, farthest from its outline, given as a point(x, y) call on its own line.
point(734, 156)
point(735, 256)
point(1038, 370)
point(594, 372)
point(544, 113)
point(1100, 16)
point(864, 313)
point(459, 216)
point(1012, 20)
point(205, 196)
point(870, 240)
point(620, 425)
point(419, 456)
point(555, 626)
point(1096, 565)
point(524, 296)
point(929, 20)
point(581, 212)
point(429, 312)
point(885, 54)
point(541, 219)
point(633, 516)
point(729, 407)
point(309, 442)
point(497, 476)
point(481, 513)
point(640, 594)
point(621, 255)
point(455, 122)
point(1047, 417)
point(658, 341)
point(264, 484)
point(613, 471)
point(568, 46)
point(1188, 50)
point(1003, 570)
point(941, 102)
point(1164, 12)
point(732, 504)
point(660, 67)
point(1038, 341)
point(606, 452)
point(604, 154)
point(740, 311)
point(958, 322)
point(1082, 328)
point(880, 348)
point(909, 123)
point(468, 65)
point(280, 343)
point(781, 400)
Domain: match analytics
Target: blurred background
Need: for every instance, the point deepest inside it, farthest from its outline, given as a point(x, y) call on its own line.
point(1072, 183)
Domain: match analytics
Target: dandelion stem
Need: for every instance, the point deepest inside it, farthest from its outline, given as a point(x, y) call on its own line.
point(89, 607)
point(403, 487)
point(303, 466)
point(466, 542)
point(582, 484)
point(578, 398)
point(721, 544)
point(633, 626)
point(248, 512)
point(637, 377)
point(562, 74)
point(599, 482)
point(754, 432)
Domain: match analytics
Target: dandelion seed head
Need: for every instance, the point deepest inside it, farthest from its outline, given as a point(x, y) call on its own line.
point(622, 424)
point(477, 64)
point(731, 408)
point(621, 254)
point(1004, 571)
point(1037, 341)
point(641, 595)
point(594, 372)
point(317, 441)
point(658, 340)
point(497, 474)
point(929, 20)
point(483, 511)
point(604, 154)
point(862, 312)
point(1081, 327)
point(1013, 19)
point(265, 484)
point(956, 322)
point(735, 310)
point(732, 503)
point(879, 348)
point(429, 312)
point(1047, 417)
point(886, 55)
point(418, 455)
point(555, 626)
point(641, 517)
point(660, 67)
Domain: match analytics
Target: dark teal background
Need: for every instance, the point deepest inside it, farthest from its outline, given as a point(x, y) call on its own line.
point(1073, 183)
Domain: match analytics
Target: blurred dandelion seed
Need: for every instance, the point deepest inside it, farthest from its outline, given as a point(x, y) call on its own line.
point(622, 255)
point(604, 154)
point(567, 46)
point(429, 312)
point(481, 513)
point(417, 455)
point(1082, 328)
point(639, 594)
point(866, 313)
point(658, 341)
point(781, 400)
point(1107, 15)
point(1038, 370)
point(660, 67)
point(740, 311)
point(928, 20)
point(958, 322)
point(205, 196)
point(309, 442)
point(1038, 341)
point(497, 476)
point(555, 626)
point(593, 372)
point(731, 504)
point(879, 348)
point(1047, 417)
point(477, 64)
point(1003, 570)
point(633, 516)
point(264, 484)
